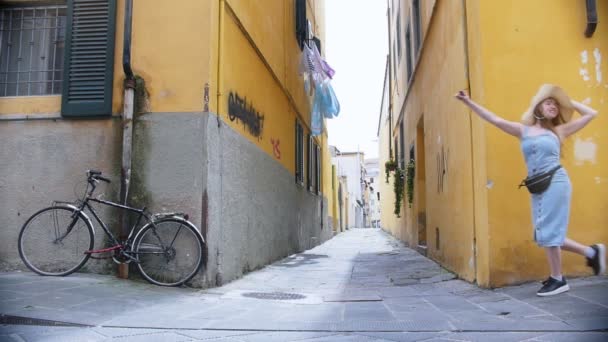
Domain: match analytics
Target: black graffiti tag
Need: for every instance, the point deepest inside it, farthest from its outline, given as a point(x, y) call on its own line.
point(239, 110)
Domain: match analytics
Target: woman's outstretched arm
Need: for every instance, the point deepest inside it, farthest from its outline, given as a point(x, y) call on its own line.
point(509, 127)
point(587, 114)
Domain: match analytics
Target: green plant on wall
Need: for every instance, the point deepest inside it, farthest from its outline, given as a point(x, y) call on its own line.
point(398, 187)
point(411, 171)
point(389, 166)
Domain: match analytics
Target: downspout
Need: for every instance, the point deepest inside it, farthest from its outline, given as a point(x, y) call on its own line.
point(127, 124)
point(591, 18)
point(390, 84)
point(467, 72)
point(220, 85)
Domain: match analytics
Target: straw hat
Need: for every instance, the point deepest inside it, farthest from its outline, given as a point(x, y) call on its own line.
point(546, 91)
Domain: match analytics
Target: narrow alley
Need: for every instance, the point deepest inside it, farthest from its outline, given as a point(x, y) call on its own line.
point(362, 285)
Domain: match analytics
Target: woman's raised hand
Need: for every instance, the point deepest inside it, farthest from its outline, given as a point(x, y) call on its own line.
point(462, 96)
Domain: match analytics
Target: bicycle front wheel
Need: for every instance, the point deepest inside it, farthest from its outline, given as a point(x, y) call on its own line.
point(54, 240)
point(170, 252)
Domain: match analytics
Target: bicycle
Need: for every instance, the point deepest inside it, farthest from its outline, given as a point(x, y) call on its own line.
point(59, 240)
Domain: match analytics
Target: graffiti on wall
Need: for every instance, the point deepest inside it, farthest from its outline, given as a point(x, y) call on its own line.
point(275, 148)
point(442, 169)
point(239, 110)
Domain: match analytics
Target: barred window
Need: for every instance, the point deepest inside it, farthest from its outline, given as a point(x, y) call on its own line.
point(32, 40)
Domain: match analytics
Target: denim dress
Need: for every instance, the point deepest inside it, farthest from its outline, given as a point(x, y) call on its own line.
point(550, 209)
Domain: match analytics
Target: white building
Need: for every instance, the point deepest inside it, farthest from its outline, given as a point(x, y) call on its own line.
point(351, 165)
point(372, 179)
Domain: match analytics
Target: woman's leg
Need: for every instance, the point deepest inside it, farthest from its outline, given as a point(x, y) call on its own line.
point(554, 257)
point(594, 254)
point(574, 247)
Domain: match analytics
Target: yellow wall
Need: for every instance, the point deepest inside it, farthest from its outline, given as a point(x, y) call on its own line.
point(502, 53)
point(532, 49)
point(259, 61)
point(447, 181)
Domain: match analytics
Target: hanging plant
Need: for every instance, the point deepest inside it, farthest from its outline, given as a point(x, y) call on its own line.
point(398, 187)
point(389, 166)
point(411, 170)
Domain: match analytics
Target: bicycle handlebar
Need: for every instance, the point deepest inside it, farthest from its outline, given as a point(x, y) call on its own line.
point(96, 175)
point(102, 179)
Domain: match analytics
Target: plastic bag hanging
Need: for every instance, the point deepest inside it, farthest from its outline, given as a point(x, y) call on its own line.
point(334, 105)
point(316, 116)
point(326, 98)
point(329, 71)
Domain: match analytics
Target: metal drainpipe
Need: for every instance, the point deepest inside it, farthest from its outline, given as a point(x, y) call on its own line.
point(591, 18)
point(127, 124)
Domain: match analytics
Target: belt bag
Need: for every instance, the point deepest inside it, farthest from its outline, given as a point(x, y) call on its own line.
point(537, 184)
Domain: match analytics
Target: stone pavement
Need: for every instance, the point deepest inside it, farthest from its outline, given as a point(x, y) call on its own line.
point(362, 285)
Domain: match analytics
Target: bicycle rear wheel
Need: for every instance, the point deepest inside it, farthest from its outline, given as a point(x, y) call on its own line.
point(48, 248)
point(170, 252)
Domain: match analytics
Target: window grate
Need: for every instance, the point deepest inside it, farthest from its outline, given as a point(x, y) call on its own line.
point(32, 43)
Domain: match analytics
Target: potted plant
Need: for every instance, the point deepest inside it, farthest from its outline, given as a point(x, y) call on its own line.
point(398, 188)
point(411, 170)
point(389, 166)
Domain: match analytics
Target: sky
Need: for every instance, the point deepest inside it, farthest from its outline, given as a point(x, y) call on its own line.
point(356, 47)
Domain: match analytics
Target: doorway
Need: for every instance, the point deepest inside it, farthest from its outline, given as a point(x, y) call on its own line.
point(417, 153)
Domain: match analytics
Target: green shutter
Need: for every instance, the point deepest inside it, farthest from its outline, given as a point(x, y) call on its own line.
point(89, 58)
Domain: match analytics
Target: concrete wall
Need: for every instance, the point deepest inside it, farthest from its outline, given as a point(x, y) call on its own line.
point(257, 214)
point(247, 205)
point(46, 160)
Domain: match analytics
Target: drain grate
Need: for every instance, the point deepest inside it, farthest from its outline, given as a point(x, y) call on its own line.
point(17, 320)
point(273, 295)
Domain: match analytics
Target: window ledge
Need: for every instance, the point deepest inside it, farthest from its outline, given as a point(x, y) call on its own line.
point(46, 116)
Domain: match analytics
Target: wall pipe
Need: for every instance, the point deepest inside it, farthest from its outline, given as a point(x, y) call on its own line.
point(591, 18)
point(127, 124)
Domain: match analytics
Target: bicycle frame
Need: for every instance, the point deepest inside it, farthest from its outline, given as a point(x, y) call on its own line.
point(85, 204)
point(105, 228)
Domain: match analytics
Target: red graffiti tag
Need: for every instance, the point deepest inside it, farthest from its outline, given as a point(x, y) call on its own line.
point(275, 148)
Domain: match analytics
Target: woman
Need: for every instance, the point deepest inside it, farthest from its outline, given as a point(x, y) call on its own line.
point(544, 126)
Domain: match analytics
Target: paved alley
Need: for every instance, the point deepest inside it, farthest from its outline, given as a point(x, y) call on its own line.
point(362, 285)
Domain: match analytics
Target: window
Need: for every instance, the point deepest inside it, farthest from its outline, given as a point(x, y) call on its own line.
point(412, 153)
point(396, 150)
point(65, 48)
point(314, 166)
point(317, 169)
point(89, 58)
point(398, 35)
point(408, 57)
point(299, 153)
point(309, 162)
point(301, 23)
point(401, 145)
point(32, 50)
point(417, 27)
point(394, 62)
point(371, 180)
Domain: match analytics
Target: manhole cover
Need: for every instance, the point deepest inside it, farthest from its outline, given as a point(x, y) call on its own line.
point(273, 295)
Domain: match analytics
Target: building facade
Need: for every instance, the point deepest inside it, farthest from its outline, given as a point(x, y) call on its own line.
point(221, 128)
point(372, 179)
point(467, 213)
point(350, 165)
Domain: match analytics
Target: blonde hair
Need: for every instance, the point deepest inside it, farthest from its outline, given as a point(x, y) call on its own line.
point(550, 124)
